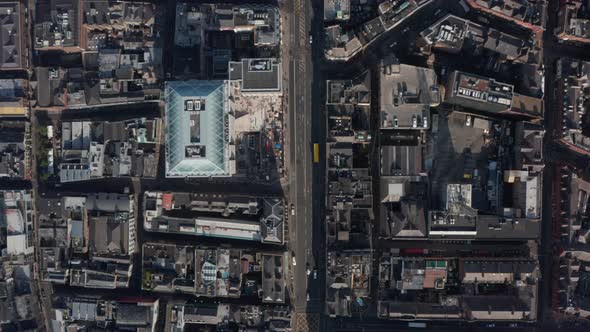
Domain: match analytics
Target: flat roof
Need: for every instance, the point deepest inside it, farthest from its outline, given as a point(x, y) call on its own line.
point(406, 93)
point(209, 226)
point(257, 75)
point(57, 24)
point(479, 93)
point(449, 31)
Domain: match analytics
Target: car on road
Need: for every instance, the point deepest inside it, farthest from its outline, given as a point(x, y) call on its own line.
point(310, 39)
point(315, 274)
point(468, 121)
point(292, 209)
point(307, 297)
point(294, 261)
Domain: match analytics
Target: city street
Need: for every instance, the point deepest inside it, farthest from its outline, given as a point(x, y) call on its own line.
point(305, 72)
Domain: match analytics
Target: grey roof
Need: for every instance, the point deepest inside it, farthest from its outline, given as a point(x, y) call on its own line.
point(402, 160)
point(114, 131)
point(85, 311)
point(491, 96)
point(273, 279)
point(493, 266)
point(108, 235)
point(109, 202)
point(50, 206)
point(405, 217)
point(494, 227)
point(133, 315)
point(49, 21)
point(257, 75)
point(73, 172)
point(272, 220)
point(10, 36)
point(494, 303)
point(413, 308)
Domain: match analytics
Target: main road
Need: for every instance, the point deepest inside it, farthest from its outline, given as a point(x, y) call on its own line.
point(305, 176)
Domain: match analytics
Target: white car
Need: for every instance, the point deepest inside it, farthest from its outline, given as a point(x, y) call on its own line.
point(468, 121)
point(414, 122)
point(294, 262)
point(315, 274)
point(425, 122)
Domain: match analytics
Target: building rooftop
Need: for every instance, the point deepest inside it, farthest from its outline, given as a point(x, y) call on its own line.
point(407, 92)
point(574, 22)
point(197, 129)
point(448, 33)
point(336, 10)
point(134, 315)
point(262, 20)
point(479, 93)
point(168, 268)
point(416, 310)
point(15, 214)
point(109, 235)
point(109, 202)
point(272, 221)
point(495, 308)
point(403, 207)
point(245, 218)
point(349, 92)
point(273, 278)
point(348, 277)
point(12, 150)
point(257, 75)
point(10, 38)
point(208, 226)
point(57, 24)
point(402, 160)
point(218, 272)
point(341, 45)
point(453, 34)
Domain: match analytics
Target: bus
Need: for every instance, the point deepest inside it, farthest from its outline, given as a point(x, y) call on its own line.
point(316, 153)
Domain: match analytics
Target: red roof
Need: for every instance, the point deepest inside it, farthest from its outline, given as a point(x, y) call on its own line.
point(166, 201)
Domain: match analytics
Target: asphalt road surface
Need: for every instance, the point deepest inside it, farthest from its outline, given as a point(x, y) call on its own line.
point(300, 67)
